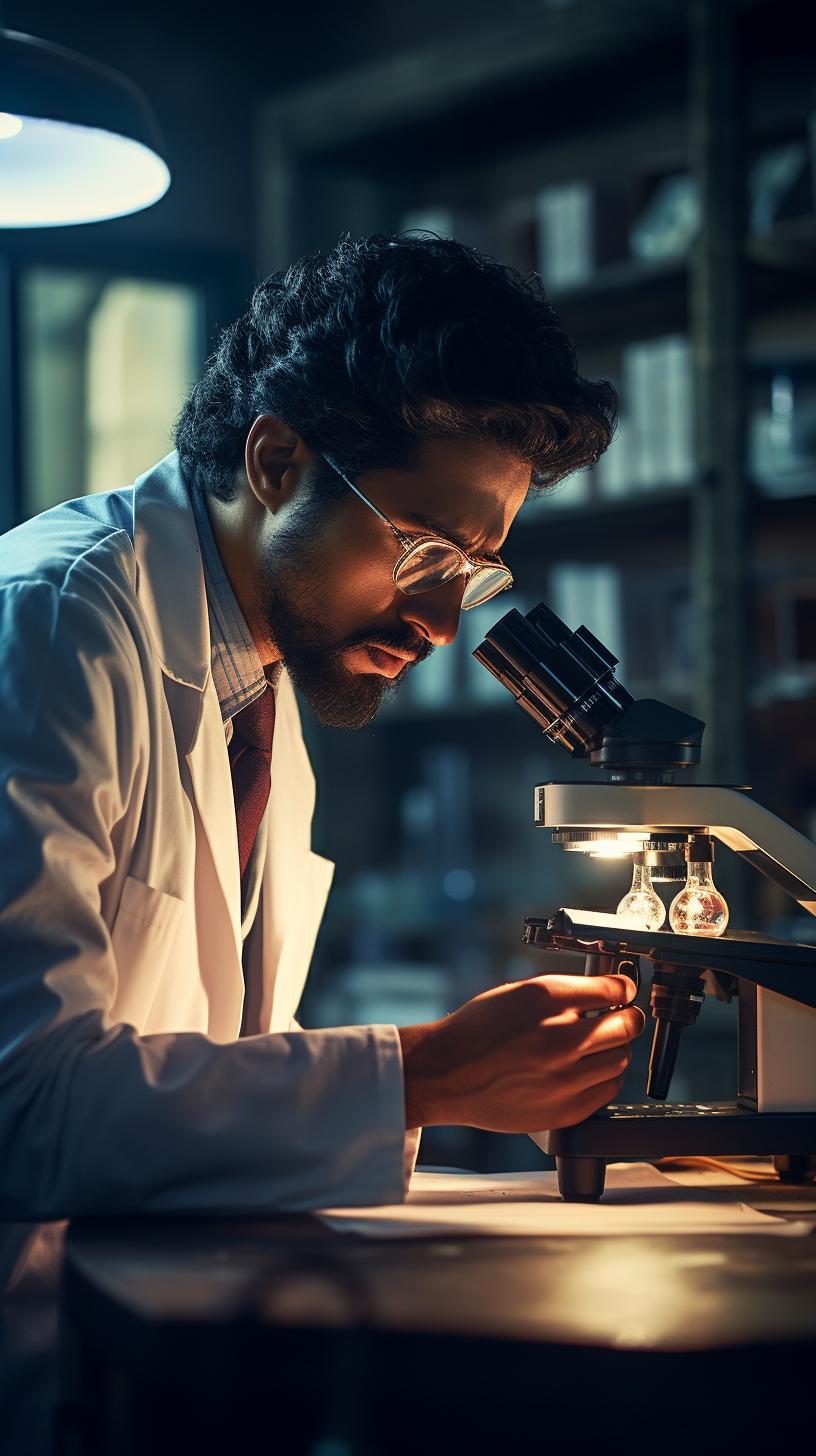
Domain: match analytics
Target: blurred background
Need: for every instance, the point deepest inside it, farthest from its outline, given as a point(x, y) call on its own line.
point(655, 161)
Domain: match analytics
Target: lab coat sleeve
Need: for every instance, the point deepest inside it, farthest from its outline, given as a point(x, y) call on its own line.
point(95, 1119)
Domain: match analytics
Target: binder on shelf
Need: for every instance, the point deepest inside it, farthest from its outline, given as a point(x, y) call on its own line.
point(654, 444)
point(566, 235)
point(670, 221)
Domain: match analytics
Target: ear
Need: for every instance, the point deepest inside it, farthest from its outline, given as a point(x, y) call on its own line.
point(275, 460)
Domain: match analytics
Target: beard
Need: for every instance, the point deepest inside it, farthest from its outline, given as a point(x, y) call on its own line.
point(338, 698)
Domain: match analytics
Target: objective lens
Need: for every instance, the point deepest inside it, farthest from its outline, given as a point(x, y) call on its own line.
point(677, 997)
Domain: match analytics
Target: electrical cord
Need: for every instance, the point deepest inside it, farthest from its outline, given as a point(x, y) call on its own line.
point(748, 1175)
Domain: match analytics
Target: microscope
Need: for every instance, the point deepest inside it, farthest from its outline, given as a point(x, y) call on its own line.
point(565, 682)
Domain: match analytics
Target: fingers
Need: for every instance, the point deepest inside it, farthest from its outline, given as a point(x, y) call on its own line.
point(587, 993)
point(585, 1103)
point(523, 1054)
point(612, 1030)
point(601, 1067)
point(568, 1042)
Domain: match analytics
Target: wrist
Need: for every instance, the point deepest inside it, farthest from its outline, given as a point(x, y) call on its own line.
point(421, 1098)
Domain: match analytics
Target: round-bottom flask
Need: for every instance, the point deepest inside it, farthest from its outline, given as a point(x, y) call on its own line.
point(699, 909)
point(643, 902)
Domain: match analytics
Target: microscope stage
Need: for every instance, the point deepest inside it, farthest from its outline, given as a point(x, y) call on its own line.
point(779, 965)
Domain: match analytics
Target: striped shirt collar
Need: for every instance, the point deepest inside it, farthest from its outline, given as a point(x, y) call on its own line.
point(237, 670)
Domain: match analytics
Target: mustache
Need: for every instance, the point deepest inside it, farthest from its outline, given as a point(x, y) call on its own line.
point(407, 641)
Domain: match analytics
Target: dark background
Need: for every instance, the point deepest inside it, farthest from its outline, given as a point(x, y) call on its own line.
point(442, 784)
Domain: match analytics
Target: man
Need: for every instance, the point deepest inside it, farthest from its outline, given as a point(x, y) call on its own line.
point(345, 476)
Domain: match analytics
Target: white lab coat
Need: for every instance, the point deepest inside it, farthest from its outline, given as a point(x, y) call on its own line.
point(123, 1086)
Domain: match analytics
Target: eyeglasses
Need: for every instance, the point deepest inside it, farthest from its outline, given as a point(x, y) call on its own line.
point(432, 561)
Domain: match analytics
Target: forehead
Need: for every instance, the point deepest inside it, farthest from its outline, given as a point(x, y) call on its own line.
point(468, 489)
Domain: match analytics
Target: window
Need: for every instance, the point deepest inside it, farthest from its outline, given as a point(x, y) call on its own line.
point(106, 364)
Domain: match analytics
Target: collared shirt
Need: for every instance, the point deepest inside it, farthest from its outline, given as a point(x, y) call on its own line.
point(237, 671)
point(238, 678)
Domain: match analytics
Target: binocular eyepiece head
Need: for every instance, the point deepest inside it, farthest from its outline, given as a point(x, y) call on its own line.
point(565, 682)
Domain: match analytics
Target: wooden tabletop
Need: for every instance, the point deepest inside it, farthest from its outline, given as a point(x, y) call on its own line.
point(654, 1293)
point(277, 1335)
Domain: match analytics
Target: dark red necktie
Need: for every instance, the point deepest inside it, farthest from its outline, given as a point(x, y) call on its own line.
point(250, 755)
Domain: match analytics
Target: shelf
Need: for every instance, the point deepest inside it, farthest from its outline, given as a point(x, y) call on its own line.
point(616, 277)
point(790, 245)
point(416, 87)
point(646, 513)
point(633, 300)
point(628, 300)
point(661, 519)
point(784, 512)
point(423, 88)
point(605, 522)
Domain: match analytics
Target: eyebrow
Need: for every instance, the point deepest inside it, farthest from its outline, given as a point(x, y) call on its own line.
point(459, 538)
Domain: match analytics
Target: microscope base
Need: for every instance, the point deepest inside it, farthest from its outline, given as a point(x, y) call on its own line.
point(672, 1129)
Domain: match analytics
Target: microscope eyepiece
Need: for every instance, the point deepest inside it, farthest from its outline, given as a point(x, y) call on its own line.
point(565, 681)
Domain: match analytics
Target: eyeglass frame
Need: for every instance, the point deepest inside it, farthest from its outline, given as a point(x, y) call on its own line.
point(470, 565)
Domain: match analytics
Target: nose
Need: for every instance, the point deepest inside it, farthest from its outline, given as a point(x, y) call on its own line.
point(435, 614)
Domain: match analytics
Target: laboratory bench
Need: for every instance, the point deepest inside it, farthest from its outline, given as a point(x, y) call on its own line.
point(279, 1335)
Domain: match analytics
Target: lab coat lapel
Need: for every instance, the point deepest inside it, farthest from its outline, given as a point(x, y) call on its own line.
point(212, 784)
point(296, 881)
point(173, 597)
point(170, 580)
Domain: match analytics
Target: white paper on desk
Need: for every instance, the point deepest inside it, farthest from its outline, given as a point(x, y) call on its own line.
point(622, 1179)
point(638, 1199)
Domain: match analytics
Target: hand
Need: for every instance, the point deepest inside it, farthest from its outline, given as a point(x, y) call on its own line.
point(522, 1057)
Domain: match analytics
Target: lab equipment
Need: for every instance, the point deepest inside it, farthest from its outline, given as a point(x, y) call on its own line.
point(565, 681)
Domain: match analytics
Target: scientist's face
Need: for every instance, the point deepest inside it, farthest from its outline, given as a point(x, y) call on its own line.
point(325, 600)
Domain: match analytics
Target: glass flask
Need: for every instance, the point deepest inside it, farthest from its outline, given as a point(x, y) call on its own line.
point(643, 903)
point(699, 909)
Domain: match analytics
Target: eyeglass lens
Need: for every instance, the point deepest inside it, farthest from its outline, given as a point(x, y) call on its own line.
point(484, 584)
point(431, 564)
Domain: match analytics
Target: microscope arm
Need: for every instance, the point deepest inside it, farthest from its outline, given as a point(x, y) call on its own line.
point(783, 855)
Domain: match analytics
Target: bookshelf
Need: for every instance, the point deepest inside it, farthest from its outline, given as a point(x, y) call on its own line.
point(475, 124)
point(616, 94)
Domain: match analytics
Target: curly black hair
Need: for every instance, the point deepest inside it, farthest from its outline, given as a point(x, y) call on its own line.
point(383, 342)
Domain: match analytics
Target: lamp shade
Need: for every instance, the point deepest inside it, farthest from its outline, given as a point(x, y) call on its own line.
point(78, 141)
